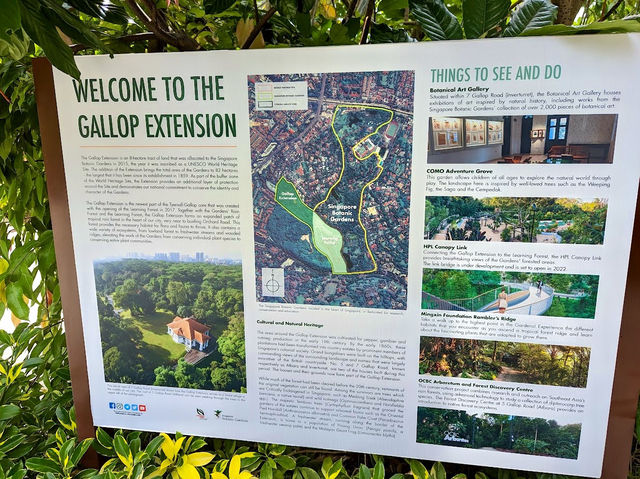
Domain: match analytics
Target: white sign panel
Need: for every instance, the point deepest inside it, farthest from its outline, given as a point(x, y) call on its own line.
point(339, 248)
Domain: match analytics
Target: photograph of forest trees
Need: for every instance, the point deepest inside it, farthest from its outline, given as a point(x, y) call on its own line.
point(515, 219)
point(505, 361)
point(498, 432)
point(175, 323)
point(542, 294)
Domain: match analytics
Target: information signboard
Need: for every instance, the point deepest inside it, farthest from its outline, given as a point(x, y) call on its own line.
point(263, 245)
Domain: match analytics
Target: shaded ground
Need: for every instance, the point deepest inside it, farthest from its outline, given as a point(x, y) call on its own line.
point(154, 332)
point(511, 375)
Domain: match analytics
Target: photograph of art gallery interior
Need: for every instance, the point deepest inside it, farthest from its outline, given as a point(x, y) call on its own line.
point(523, 139)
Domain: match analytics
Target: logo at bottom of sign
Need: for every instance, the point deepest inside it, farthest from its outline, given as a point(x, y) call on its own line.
point(128, 409)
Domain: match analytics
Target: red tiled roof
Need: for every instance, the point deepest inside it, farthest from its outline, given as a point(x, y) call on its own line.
point(189, 328)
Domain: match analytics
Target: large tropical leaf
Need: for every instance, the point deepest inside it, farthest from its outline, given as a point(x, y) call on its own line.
point(381, 33)
point(107, 10)
point(435, 19)
point(480, 16)
point(531, 14)
point(614, 26)
point(213, 7)
point(71, 25)
point(43, 32)
point(9, 17)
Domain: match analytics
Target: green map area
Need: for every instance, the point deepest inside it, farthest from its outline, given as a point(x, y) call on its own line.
point(336, 225)
point(326, 239)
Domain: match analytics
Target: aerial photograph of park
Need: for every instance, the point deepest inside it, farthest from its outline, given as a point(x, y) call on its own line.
point(515, 219)
point(499, 432)
point(172, 320)
point(541, 294)
point(550, 365)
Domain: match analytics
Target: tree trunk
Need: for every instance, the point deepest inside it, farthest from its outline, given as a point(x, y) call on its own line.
point(567, 10)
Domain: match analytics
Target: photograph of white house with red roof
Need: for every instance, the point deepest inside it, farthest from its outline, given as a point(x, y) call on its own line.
point(189, 332)
point(172, 320)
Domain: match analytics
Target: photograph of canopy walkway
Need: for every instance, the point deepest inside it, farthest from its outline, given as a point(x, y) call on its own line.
point(521, 299)
point(540, 294)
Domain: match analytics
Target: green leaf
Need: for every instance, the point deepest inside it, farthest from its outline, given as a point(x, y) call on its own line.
point(15, 301)
point(378, 470)
point(437, 471)
point(85, 474)
point(308, 473)
point(106, 11)
point(614, 26)
point(122, 450)
point(383, 33)
point(480, 16)
point(364, 472)
point(71, 25)
point(39, 464)
point(266, 472)
point(151, 448)
point(392, 6)
point(286, 8)
point(435, 19)
point(63, 418)
point(43, 32)
point(32, 363)
point(286, 462)
point(335, 469)
point(277, 449)
point(212, 7)
point(531, 14)
point(198, 443)
point(79, 451)
point(10, 18)
point(417, 469)
point(10, 443)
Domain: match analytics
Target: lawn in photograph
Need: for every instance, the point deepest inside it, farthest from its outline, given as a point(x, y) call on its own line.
point(551, 365)
point(176, 323)
point(515, 219)
point(542, 294)
point(499, 432)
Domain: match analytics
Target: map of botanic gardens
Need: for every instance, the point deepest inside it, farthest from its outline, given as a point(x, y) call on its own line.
point(331, 168)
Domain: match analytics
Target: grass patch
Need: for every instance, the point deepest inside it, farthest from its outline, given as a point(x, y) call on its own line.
point(154, 332)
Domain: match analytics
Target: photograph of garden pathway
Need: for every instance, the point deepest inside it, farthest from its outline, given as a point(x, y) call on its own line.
point(515, 219)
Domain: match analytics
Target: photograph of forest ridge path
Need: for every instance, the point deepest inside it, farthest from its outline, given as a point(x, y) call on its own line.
point(550, 365)
point(541, 294)
point(515, 219)
point(177, 321)
point(499, 432)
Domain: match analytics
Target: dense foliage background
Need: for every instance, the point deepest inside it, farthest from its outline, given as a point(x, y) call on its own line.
point(37, 426)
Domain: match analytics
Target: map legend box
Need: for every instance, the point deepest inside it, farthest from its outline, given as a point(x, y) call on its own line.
point(290, 95)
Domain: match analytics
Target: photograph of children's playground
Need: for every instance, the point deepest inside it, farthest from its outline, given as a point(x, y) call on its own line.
point(541, 294)
point(515, 219)
point(523, 139)
point(557, 437)
point(548, 364)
